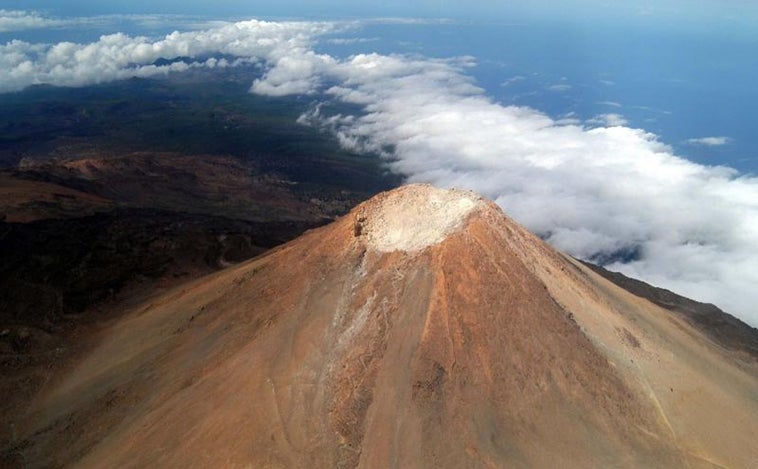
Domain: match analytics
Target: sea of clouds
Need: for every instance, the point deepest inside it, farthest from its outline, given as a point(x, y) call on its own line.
point(598, 190)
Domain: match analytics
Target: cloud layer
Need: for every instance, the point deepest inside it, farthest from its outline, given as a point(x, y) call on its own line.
point(606, 192)
point(709, 141)
point(118, 56)
point(599, 190)
point(17, 20)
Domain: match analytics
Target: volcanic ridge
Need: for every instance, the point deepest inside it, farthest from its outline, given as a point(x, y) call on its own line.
point(423, 329)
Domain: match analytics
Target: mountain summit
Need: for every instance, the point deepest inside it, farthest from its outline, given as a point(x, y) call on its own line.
point(423, 329)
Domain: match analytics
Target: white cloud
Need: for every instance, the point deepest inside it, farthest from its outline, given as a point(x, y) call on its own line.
point(709, 141)
point(351, 40)
point(568, 121)
point(603, 192)
point(652, 109)
point(608, 120)
point(570, 118)
point(559, 88)
point(409, 21)
point(17, 20)
point(513, 80)
point(610, 103)
point(116, 56)
point(609, 193)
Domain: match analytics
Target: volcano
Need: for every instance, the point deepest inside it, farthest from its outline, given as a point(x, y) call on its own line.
point(423, 329)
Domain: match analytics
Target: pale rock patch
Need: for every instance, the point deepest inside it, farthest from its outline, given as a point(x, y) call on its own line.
point(414, 217)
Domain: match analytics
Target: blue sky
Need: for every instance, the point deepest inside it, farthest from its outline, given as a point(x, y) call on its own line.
point(671, 12)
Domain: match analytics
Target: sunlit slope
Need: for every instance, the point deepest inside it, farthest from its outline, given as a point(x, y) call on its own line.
point(424, 329)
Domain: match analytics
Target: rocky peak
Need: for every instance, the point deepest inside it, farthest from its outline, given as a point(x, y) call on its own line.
point(413, 217)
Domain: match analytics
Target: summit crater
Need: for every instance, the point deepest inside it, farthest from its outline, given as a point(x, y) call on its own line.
point(414, 217)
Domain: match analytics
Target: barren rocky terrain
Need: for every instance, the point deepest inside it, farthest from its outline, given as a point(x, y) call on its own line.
point(471, 344)
point(141, 184)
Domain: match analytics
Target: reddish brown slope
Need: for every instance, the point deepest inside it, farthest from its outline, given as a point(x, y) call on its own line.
point(424, 329)
point(23, 201)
